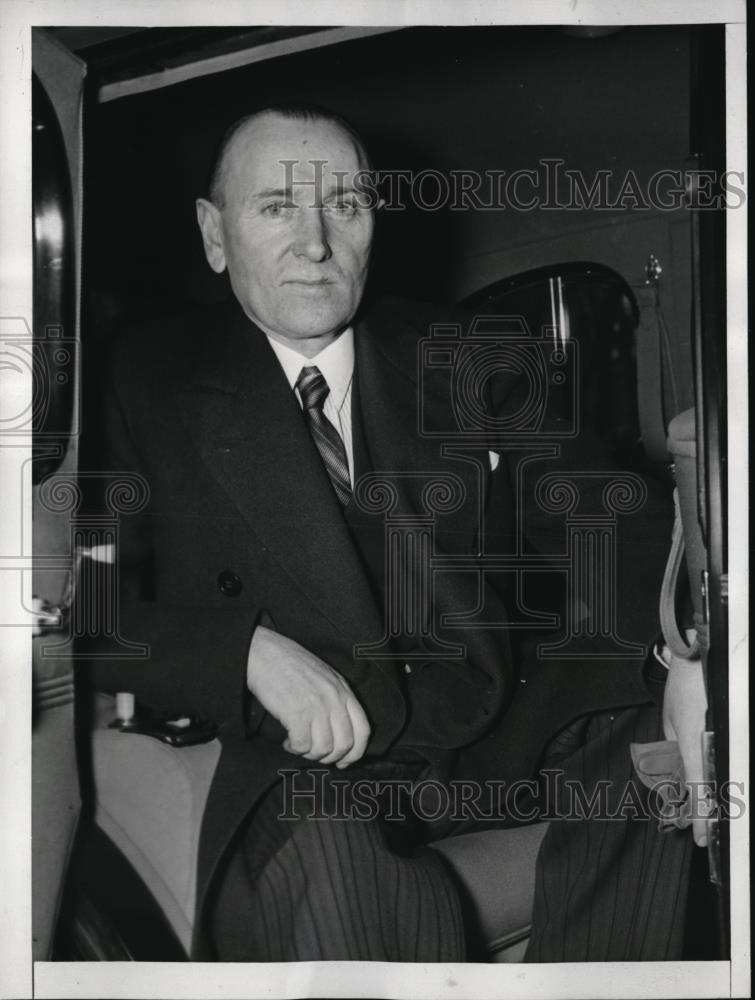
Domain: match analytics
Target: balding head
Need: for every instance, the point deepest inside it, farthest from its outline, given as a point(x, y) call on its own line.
point(290, 111)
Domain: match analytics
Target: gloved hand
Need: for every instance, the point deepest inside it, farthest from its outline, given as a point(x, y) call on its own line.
point(684, 707)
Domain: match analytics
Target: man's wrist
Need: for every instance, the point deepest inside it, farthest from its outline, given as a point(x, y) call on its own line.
point(255, 714)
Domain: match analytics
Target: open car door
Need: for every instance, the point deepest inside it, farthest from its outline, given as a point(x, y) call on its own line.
point(58, 77)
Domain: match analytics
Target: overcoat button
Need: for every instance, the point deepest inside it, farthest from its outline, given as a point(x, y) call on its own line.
point(229, 583)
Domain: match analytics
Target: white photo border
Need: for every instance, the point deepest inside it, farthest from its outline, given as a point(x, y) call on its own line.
point(50, 979)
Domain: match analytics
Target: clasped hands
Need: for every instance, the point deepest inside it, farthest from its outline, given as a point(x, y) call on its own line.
point(315, 705)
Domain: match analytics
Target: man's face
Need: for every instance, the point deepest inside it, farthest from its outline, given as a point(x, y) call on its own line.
point(295, 236)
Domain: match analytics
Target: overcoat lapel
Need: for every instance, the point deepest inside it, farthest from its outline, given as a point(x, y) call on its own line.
point(387, 362)
point(388, 354)
point(252, 436)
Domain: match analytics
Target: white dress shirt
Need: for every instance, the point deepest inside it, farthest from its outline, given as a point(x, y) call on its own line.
point(336, 364)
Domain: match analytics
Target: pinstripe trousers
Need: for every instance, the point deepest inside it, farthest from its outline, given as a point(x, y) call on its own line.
point(308, 889)
point(606, 889)
point(610, 889)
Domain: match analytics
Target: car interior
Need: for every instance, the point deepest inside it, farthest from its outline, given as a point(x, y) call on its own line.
point(124, 124)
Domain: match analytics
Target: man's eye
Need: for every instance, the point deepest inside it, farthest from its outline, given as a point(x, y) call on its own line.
point(343, 206)
point(276, 209)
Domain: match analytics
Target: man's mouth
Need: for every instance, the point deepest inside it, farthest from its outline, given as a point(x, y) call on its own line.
point(308, 282)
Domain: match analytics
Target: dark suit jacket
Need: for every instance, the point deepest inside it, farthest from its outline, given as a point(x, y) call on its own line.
point(201, 409)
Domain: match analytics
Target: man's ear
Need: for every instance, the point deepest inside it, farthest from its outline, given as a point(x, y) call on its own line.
point(208, 217)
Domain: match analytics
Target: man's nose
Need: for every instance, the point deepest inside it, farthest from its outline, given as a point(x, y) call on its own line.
point(312, 236)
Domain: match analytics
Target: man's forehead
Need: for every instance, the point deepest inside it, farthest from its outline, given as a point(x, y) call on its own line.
point(271, 148)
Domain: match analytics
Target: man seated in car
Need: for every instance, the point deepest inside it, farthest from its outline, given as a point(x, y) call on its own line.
point(282, 436)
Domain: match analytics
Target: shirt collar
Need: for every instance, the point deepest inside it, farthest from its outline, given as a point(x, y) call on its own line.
point(336, 363)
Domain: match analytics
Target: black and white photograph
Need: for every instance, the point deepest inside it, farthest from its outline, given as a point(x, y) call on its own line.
point(373, 442)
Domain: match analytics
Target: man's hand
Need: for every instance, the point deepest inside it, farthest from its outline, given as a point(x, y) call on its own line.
point(684, 705)
point(315, 705)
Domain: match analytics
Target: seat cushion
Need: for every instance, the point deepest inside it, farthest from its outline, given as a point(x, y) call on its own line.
point(497, 870)
point(150, 798)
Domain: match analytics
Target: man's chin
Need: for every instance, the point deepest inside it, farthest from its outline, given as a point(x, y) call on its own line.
point(311, 325)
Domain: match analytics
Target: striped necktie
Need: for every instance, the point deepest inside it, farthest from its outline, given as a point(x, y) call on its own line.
point(313, 390)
